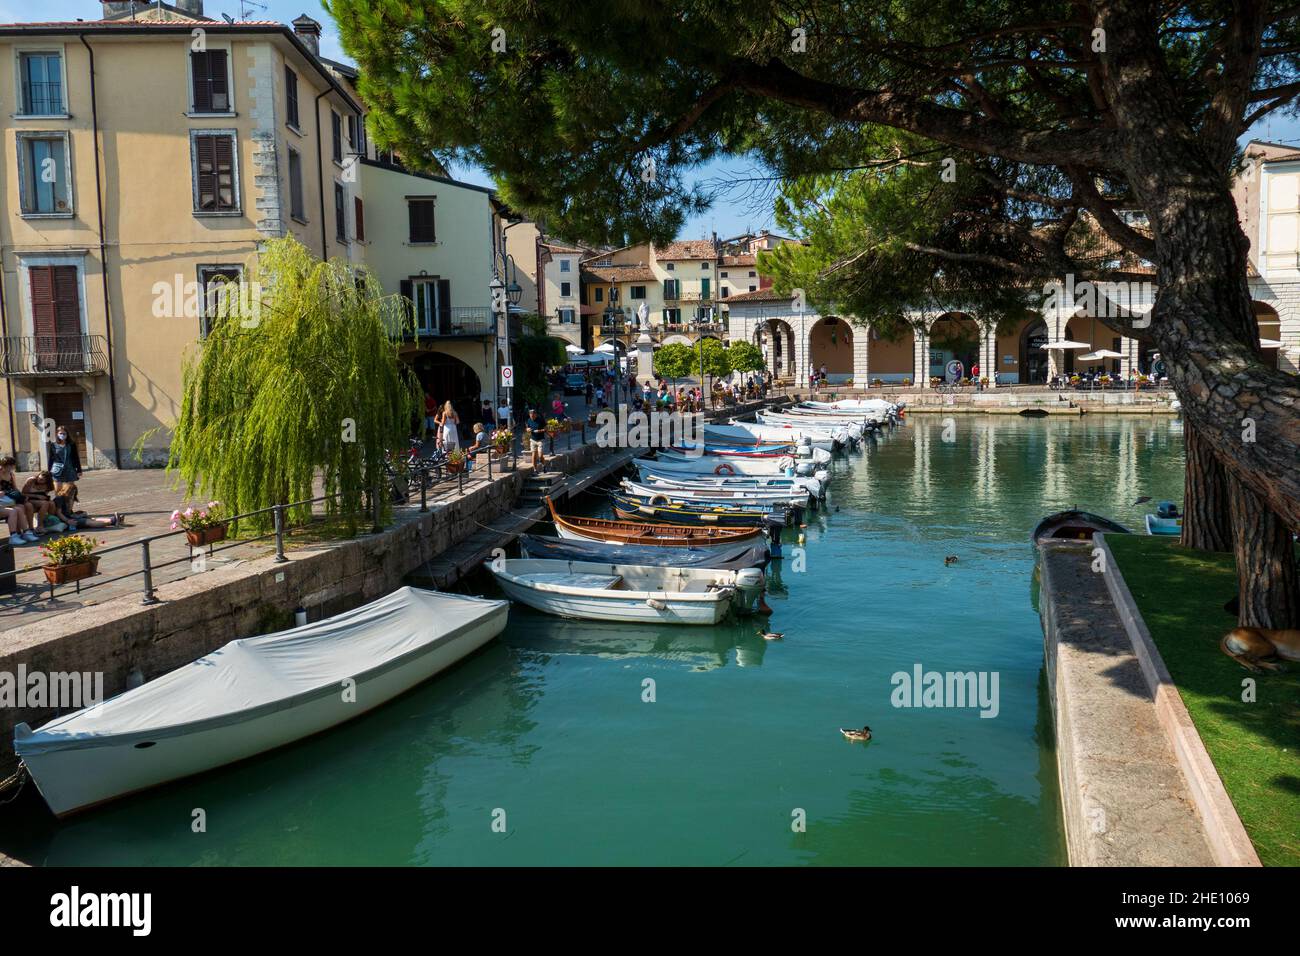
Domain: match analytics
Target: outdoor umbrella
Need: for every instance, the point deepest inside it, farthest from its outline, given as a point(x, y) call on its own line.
point(1100, 354)
point(573, 350)
point(605, 347)
point(1271, 343)
point(1065, 344)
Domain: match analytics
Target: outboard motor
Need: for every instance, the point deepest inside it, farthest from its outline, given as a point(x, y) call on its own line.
point(749, 584)
point(1167, 509)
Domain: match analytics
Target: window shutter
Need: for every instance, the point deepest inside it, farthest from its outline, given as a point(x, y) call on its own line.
point(67, 305)
point(224, 150)
point(205, 160)
point(201, 78)
point(360, 219)
point(40, 281)
point(217, 77)
point(407, 290)
point(444, 305)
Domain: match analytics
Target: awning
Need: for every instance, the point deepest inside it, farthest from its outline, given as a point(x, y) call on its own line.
point(1100, 354)
point(1065, 344)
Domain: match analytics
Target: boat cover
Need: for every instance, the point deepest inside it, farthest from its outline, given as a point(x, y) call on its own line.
point(723, 558)
point(269, 671)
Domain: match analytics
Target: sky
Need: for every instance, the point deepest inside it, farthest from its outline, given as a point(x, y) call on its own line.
point(727, 218)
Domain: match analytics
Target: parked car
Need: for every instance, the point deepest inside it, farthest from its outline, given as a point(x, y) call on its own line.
point(575, 384)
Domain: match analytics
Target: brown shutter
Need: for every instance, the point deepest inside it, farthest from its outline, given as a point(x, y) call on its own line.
point(224, 150)
point(202, 88)
point(205, 160)
point(41, 283)
point(360, 219)
point(217, 77)
point(444, 306)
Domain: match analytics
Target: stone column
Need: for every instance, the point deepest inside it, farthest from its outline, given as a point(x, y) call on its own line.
point(861, 355)
point(1129, 347)
point(988, 351)
point(800, 324)
point(921, 354)
point(645, 352)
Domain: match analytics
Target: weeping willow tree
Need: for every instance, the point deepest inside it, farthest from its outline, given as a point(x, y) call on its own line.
point(298, 380)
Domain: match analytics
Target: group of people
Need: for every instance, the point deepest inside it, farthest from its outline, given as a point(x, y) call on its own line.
point(443, 424)
point(47, 502)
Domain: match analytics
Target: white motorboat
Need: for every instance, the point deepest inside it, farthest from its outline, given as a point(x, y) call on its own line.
point(627, 592)
point(820, 436)
point(722, 434)
point(878, 406)
point(650, 473)
point(683, 491)
point(253, 695)
point(723, 466)
point(812, 424)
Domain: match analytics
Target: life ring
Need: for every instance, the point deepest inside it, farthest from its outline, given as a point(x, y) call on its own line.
point(724, 469)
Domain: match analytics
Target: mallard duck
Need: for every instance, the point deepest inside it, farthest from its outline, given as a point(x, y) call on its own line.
point(863, 734)
point(771, 635)
point(951, 559)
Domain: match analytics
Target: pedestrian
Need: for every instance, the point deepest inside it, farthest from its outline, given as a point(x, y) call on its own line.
point(448, 433)
point(430, 415)
point(503, 414)
point(487, 416)
point(537, 437)
point(65, 462)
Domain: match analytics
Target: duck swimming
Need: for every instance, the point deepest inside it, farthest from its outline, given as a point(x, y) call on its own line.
point(951, 559)
point(771, 635)
point(863, 734)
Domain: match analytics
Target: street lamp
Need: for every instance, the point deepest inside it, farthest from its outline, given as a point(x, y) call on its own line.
point(610, 316)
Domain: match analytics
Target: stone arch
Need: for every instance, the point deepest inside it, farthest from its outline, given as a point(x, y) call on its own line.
point(953, 335)
point(892, 359)
point(1033, 357)
point(830, 343)
point(775, 337)
point(1269, 325)
point(446, 377)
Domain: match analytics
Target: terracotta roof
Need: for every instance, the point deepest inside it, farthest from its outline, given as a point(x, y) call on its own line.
point(691, 249)
point(618, 273)
point(747, 259)
point(759, 295)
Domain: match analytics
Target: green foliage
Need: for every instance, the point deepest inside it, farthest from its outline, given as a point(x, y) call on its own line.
point(533, 354)
point(70, 549)
point(308, 387)
point(745, 357)
point(716, 360)
point(675, 361)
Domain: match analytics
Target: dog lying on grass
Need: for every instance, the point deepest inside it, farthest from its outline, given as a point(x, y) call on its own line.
point(1258, 648)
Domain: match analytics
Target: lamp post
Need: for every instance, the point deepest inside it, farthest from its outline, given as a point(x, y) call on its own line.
point(503, 296)
point(612, 320)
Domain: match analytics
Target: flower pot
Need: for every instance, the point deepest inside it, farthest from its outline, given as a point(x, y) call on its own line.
point(206, 536)
point(455, 467)
point(64, 573)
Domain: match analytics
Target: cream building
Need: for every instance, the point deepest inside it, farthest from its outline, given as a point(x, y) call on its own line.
point(145, 157)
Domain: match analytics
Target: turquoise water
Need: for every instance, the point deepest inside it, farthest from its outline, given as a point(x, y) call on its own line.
point(549, 725)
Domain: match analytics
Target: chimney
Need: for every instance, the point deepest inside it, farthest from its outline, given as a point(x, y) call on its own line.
point(308, 31)
point(118, 9)
point(192, 8)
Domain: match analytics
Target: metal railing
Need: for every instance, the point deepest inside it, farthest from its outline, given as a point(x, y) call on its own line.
point(53, 355)
point(42, 99)
point(456, 321)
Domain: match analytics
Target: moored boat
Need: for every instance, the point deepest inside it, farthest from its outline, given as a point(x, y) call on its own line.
point(253, 695)
point(650, 534)
point(627, 592)
point(651, 473)
point(631, 507)
point(727, 558)
point(1075, 525)
point(770, 497)
point(1167, 520)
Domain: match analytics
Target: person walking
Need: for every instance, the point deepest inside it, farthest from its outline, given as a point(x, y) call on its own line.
point(537, 437)
point(448, 433)
point(65, 462)
point(430, 416)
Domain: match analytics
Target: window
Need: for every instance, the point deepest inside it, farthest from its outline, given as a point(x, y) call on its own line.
point(421, 216)
point(566, 289)
point(672, 316)
point(752, 274)
point(220, 286)
point(430, 304)
point(722, 275)
point(704, 266)
point(340, 214)
point(42, 80)
point(291, 97)
point(566, 316)
point(43, 167)
point(336, 128)
point(670, 267)
point(753, 288)
point(672, 288)
point(359, 226)
point(296, 209)
point(725, 292)
point(216, 184)
point(704, 288)
point(566, 265)
point(54, 292)
point(600, 294)
point(638, 292)
point(352, 133)
point(211, 86)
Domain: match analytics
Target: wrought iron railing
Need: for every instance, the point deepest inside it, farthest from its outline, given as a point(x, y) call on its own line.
point(455, 322)
point(53, 355)
point(42, 99)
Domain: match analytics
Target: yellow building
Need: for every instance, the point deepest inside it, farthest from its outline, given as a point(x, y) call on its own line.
point(146, 156)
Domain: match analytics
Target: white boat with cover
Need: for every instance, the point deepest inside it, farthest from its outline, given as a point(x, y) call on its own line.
point(819, 435)
point(722, 434)
point(812, 424)
point(624, 592)
point(253, 695)
point(662, 494)
point(649, 472)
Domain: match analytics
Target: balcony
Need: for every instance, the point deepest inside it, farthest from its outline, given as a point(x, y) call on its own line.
point(455, 322)
point(697, 297)
point(53, 355)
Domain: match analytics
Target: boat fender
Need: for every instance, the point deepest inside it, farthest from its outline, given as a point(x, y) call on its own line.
point(657, 604)
point(724, 469)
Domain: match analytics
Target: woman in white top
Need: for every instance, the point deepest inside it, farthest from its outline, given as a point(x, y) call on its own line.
point(450, 436)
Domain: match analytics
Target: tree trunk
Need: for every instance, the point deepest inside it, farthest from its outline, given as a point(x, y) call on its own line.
point(1267, 581)
point(1207, 523)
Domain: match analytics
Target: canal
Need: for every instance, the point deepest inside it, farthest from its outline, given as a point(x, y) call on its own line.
point(737, 759)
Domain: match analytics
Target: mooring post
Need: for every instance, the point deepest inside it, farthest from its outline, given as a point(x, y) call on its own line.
point(277, 515)
point(424, 488)
point(149, 596)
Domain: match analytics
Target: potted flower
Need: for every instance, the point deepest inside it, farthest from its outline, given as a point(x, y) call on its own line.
point(935, 381)
point(456, 459)
point(565, 425)
point(70, 559)
point(984, 381)
point(502, 439)
point(876, 383)
point(552, 427)
point(202, 525)
point(907, 381)
point(591, 419)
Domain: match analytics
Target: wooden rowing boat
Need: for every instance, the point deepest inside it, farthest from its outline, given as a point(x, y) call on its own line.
point(648, 533)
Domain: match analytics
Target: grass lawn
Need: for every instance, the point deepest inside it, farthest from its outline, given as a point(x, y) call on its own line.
point(1254, 746)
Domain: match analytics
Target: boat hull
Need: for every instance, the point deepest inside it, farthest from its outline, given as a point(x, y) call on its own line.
point(1075, 526)
point(1171, 527)
point(78, 779)
point(628, 611)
